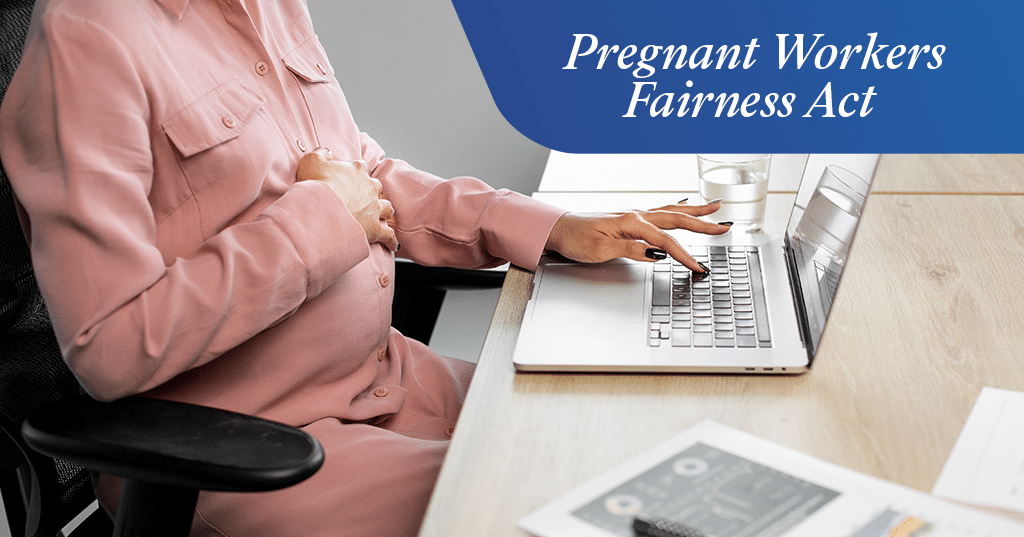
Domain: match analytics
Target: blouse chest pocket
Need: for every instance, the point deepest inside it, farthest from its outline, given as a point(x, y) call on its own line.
point(227, 144)
point(328, 111)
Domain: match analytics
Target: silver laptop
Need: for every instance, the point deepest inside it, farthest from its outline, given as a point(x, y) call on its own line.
point(762, 309)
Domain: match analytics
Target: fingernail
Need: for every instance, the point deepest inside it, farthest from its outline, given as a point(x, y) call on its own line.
point(399, 247)
point(716, 200)
point(655, 254)
point(682, 201)
point(705, 267)
point(726, 223)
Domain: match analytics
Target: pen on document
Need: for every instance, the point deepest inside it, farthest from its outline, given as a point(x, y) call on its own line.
point(657, 527)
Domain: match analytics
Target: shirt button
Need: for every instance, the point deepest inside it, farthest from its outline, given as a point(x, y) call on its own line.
point(380, 392)
point(228, 122)
point(380, 354)
point(384, 280)
point(262, 68)
point(301, 145)
point(322, 69)
point(449, 432)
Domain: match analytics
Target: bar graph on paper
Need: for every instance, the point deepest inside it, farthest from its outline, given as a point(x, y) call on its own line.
point(901, 522)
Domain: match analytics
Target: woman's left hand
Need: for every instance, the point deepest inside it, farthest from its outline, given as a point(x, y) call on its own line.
point(597, 237)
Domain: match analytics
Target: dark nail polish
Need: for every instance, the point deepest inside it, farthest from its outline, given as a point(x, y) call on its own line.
point(726, 223)
point(655, 254)
point(716, 200)
point(398, 247)
point(682, 201)
point(705, 267)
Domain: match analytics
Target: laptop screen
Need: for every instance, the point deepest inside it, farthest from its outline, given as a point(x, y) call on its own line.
point(829, 204)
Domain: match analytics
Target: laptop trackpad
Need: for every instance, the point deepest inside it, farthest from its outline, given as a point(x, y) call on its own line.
point(608, 292)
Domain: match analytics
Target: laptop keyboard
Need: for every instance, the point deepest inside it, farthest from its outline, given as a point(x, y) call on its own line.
point(725, 309)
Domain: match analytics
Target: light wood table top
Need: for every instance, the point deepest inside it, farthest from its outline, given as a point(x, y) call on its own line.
point(928, 313)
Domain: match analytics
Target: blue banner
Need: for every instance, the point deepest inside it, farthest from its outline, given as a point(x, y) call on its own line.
point(800, 76)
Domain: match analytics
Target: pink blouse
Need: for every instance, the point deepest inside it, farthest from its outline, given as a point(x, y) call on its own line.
point(153, 146)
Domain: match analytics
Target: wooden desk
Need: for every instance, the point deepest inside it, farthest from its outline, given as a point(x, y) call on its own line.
point(928, 313)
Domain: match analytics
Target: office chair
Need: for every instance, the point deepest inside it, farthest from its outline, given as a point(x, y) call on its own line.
point(166, 451)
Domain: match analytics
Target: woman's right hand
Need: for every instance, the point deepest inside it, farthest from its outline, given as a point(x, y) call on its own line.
point(361, 194)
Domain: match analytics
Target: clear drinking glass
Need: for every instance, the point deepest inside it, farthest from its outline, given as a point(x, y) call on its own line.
point(741, 181)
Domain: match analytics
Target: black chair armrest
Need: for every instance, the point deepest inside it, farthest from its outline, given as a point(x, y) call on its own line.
point(408, 274)
point(174, 444)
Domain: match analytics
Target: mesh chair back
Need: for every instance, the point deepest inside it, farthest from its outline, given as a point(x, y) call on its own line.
point(32, 371)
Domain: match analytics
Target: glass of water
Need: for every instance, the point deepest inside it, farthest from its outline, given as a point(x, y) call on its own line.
point(741, 181)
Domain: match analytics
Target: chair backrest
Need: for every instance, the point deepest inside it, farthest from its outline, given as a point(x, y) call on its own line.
point(32, 371)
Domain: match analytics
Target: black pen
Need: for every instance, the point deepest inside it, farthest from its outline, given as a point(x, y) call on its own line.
point(658, 527)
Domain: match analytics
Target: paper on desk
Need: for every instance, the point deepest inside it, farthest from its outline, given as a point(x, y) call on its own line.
point(986, 466)
point(726, 483)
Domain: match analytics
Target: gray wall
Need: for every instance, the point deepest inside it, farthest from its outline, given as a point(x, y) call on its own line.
point(413, 84)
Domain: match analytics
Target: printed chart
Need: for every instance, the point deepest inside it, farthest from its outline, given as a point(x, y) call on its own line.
point(711, 490)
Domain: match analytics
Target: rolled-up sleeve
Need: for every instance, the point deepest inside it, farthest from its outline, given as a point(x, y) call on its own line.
point(460, 222)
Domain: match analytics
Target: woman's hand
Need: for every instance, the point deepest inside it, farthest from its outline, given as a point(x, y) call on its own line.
point(361, 194)
point(596, 237)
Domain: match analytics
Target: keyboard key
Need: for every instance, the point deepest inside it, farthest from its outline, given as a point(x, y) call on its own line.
point(662, 289)
point(703, 340)
point(760, 306)
point(727, 343)
point(681, 338)
point(660, 310)
point(746, 341)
